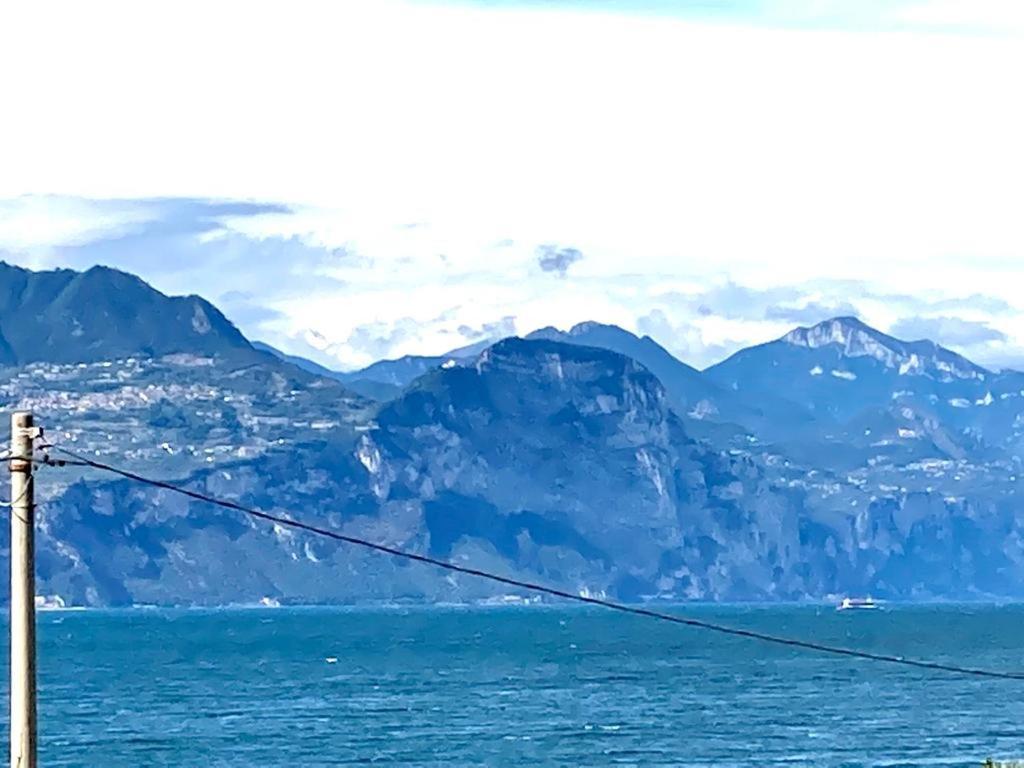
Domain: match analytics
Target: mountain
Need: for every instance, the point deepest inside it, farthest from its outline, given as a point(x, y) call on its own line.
point(559, 463)
point(570, 462)
point(551, 459)
point(691, 390)
point(397, 374)
point(379, 391)
point(854, 340)
point(863, 388)
point(511, 463)
point(299, 362)
point(819, 368)
point(694, 394)
point(64, 316)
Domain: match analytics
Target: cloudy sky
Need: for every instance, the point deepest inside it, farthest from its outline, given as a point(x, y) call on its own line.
point(354, 180)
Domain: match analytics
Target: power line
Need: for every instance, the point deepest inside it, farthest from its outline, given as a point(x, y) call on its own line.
point(45, 461)
point(6, 456)
point(540, 588)
point(21, 497)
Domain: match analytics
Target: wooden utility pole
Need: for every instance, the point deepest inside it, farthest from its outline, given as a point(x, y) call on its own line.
point(23, 593)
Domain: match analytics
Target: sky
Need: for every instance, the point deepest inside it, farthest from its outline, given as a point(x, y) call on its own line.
point(355, 180)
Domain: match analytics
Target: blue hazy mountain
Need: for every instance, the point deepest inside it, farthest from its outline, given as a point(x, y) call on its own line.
point(690, 388)
point(402, 371)
point(67, 316)
point(372, 389)
point(865, 389)
point(566, 463)
point(838, 366)
point(558, 460)
point(695, 395)
point(299, 362)
point(560, 463)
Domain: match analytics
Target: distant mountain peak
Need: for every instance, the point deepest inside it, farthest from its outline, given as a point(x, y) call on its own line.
point(693, 393)
point(857, 339)
point(589, 326)
point(853, 334)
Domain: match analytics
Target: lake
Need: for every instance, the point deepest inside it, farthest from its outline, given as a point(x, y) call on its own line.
point(534, 686)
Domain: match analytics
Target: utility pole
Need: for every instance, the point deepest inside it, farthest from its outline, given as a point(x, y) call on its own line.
point(23, 593)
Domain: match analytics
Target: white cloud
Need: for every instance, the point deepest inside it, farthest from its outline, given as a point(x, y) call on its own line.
point(675, 155)
point(1005, 16)
point(28, 223)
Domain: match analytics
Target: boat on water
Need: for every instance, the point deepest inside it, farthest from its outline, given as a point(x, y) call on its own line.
point(509, 600)
point(857, 604)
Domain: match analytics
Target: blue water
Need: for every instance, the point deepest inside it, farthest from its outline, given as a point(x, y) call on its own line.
point(522, 686)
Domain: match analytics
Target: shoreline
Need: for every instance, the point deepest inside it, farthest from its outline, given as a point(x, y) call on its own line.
point(394, 607)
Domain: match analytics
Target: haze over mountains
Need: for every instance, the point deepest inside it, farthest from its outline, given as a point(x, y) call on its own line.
point(834, 460)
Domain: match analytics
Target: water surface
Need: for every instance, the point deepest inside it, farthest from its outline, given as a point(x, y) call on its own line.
point(522, 686)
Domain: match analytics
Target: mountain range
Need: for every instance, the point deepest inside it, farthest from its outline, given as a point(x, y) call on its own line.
point(834, 460)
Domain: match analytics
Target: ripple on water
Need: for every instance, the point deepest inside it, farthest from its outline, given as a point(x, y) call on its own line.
point(497, 688)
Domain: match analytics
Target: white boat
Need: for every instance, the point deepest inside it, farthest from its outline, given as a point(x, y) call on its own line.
point(50, 603)
point(857, 604)
point(509, 600)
